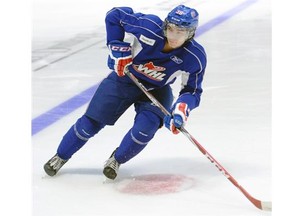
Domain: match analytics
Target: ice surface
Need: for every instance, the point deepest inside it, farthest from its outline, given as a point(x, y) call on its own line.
point(171, 176)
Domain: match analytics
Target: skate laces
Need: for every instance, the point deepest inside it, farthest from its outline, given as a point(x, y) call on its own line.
point(56, 162)
point(112, 163)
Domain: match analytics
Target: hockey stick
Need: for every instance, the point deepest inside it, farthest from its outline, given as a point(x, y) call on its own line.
point(263, 205)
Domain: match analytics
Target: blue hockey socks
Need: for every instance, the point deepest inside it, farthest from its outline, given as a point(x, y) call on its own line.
point(77, 136)
point(145, 126)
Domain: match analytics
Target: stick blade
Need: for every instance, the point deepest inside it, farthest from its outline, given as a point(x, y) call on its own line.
point(266, 205)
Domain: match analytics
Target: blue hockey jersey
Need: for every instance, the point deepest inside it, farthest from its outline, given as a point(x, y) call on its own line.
point(151, 65)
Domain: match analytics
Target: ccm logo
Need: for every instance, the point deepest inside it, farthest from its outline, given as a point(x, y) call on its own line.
point(121, 49)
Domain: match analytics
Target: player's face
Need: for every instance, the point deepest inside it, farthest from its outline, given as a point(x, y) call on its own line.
point(176, 36)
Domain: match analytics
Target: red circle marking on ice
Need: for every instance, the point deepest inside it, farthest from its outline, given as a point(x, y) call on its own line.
point(155, 184)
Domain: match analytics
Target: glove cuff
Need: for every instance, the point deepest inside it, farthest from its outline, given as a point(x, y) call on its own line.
point(182, 109)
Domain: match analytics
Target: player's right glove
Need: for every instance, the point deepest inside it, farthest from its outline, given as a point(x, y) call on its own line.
point(120, 56)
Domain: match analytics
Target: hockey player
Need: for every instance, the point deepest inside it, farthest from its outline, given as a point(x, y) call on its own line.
point(160, 52)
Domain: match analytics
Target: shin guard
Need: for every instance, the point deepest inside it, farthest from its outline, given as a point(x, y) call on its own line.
point(145, 126)
point(77, 136)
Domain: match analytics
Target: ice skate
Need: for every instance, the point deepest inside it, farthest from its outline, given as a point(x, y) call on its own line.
point(111, 167)
point(54, 165)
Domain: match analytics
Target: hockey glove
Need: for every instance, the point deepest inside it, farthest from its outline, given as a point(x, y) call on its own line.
point(120, 56)
point(178, 117)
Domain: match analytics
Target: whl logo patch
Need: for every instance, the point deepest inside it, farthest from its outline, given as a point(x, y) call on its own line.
point(151, 71)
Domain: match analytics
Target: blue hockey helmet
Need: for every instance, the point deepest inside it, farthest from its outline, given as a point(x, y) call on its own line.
point(183, 17)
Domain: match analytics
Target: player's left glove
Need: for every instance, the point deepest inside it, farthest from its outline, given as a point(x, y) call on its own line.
point(120, 56)
point(178, 117)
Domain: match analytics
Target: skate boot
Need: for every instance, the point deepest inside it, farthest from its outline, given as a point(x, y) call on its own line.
point(111, 167)
point(53, 165)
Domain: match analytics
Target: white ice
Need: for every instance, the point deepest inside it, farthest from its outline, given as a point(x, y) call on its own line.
point(233, 122)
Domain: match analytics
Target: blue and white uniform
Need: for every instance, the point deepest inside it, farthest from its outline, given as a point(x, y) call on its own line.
point(150, 63)
point(154, 68)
